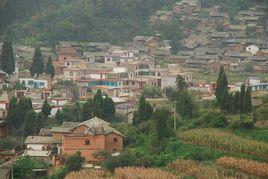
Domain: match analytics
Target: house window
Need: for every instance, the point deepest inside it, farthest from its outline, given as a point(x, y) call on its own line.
point(114, 150)
point(115, 139)
point(71, 73)
point(87, 142)
point(30, 82)
point(42, 83)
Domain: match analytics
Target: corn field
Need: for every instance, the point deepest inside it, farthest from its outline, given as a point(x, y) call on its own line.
point(248, 166)
point(225, 141)
point(125, 173)
point(142, 173)
point(194, 169)
point(84, 174)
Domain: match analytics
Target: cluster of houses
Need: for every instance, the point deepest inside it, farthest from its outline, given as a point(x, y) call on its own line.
point(213, 40)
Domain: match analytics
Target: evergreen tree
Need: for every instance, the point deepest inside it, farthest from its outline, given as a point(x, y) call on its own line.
point(230, 100)
point(144, 112)
point(98, 105)
point(108, 107)
point(162, 117)
point(38, 64)
point(59, 117)
point(7, 59)
point(222, 83)
point(46, 109)
point(23, 107)
point(49, 67)
point(236, 102)
point(242, 98)
point(224, 102)
point(181, 83)
point(185, 104)
point(77, 111)
point(86, 111)
point(247, 101)
point(12, 113)
point(32, 124)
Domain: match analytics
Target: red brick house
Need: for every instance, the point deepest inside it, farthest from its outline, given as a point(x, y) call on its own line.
point(90, 137)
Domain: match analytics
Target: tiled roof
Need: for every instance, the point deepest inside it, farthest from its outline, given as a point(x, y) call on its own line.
point(98, 126)
point(40, 140)
point(36, 153)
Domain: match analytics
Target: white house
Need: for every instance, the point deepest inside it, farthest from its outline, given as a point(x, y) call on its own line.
point(253, 49)
point(34, 83)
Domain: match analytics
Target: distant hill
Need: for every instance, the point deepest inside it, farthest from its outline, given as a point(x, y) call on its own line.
point(115, 21)
point(94, 20)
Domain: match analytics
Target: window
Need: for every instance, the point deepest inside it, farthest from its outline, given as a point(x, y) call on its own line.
point(115, 139)
point(114, 150)
point(71, 73)
point(87, 142)
point(30, 82)
point(41, 83)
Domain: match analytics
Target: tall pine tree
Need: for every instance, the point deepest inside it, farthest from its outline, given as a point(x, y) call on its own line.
point(86, 111)
point(247, 101)
point(7, 59)
point(144, 112)
point(46, 109)
point(49, 67)
point(242, 99)
point(38, 63)
point(222, 83)
point(236, 102)
point(12, 113)
point(98, 105)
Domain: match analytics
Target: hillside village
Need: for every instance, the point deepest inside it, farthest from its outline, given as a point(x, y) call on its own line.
point(148, 66)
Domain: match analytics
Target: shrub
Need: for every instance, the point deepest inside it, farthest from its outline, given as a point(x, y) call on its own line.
point(59, 173)
point(74, 162)
point(213, 120)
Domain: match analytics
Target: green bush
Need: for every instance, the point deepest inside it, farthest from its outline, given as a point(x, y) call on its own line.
point(212, 119)
point(59, 173)
point(243, 122)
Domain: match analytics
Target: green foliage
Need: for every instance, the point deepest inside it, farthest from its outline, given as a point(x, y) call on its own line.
point(49, 67)
point(222, 84)
point(32, 123)
point(244, 122)
point(59, 117)
point(181, 83)
point(59, 173)
point(162, 117)
point(74, 162)
point(87, 111)
point(108, 107)
point(10, 142)
point(38, 64)
point(247, 101)
point(98, 105)
point(54, 20)
point(170, 93)
point(144, 112)
point(212, 119)
point(11, 113)
point(151, 91)
point(24, 165)
point(7, 60)
point(185, 104)
point(46, 109)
